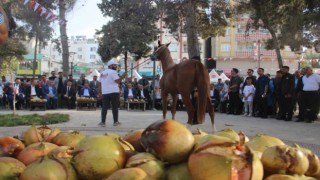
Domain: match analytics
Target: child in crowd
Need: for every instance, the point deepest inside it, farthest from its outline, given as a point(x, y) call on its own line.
point(248, 94)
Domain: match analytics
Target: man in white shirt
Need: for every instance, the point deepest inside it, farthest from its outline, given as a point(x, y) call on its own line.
point(110, 91)
point(310, 95)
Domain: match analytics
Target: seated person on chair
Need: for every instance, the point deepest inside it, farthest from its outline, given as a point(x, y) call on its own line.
point(49, 93)
point(70, 95)
point(86, 91)
point(129, 92)
point(33, 91)
point(144, 94)
point(19, 91)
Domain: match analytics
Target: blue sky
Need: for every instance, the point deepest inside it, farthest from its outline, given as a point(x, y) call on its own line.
point(85, 18)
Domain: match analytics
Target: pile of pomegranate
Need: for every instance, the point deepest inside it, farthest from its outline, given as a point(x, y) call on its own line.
point(164, 150)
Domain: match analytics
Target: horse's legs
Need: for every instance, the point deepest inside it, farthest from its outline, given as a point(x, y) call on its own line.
point(187, 102)
point(164, 104)
point(210, 110)
point(174, 106)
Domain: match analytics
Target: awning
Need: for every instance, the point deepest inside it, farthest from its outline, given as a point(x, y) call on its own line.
point(147, 73)
point(29, 57)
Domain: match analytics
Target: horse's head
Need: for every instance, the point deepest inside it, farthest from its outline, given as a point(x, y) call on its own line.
point(160, 51)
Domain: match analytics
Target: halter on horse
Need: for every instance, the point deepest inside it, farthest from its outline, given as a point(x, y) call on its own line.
point(181, 79)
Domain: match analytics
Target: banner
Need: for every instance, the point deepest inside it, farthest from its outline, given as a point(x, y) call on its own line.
point(42, 11)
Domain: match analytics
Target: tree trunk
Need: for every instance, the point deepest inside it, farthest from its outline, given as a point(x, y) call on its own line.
point(35, 57)
point(64, 37)
point(125, 61)
point(277, 47)
point(191, 30)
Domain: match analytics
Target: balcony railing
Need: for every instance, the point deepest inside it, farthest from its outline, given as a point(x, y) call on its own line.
point(252, 37)
point(254, 54)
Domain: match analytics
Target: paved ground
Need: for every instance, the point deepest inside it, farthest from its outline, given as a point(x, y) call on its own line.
point(307, 135)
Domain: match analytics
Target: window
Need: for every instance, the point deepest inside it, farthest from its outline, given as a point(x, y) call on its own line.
point(93, 49)
point(225, 47)
point(92, 56)
point(79, 56)
point(53, 56)
point(79, 48)
point(28, 65)
point(185, 47)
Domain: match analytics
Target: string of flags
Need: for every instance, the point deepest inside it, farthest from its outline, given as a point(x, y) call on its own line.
point(42, 11)
point(313, 61)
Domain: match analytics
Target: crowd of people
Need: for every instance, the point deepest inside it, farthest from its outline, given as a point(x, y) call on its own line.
point(57, 90)
point(261, 96)
point(265, 97)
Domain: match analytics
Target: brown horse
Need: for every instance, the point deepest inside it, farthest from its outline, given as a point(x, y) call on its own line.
point(182, 79)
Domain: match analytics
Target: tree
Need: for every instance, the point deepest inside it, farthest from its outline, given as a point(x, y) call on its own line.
point(283, 19)
point(196, 17)
point(10, 53)
point(64, 7)
point(31, 25)
point(131, 30)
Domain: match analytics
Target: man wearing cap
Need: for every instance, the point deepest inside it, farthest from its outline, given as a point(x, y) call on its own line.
point(110, 91)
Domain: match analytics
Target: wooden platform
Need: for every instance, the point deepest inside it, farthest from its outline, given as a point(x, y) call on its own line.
point(40, 105)
point(136, 102)
point(80, 106)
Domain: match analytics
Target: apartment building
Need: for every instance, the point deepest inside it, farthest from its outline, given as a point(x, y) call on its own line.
point(236, 49)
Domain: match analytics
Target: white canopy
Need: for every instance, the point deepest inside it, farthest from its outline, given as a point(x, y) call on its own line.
point(214, 76)
point(95, 73)
point(223, 77)
point(135, 74)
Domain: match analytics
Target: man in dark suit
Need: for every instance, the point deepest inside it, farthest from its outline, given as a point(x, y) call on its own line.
point(86, 91)
point(70, 95)
point(19, 91)
point(286, 94)
point(32, 91)
point(144, 94)
point(70, 79)
point(129, 92)
point(81, 82)
point(49, 93)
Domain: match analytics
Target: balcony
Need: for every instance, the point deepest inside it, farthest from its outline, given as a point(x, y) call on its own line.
point(252, 37)
point(247, 54)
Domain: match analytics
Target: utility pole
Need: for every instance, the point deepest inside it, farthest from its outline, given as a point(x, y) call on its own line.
point(259, 53)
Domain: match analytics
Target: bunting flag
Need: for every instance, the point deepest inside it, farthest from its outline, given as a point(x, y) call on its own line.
point(42, 11)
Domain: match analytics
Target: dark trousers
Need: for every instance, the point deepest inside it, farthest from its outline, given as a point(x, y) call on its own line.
point(262, 106)
point(235, 105)
point(114, 99)
point(310, 103)
point(286, 107)
point(70, 102)
point(301, 106)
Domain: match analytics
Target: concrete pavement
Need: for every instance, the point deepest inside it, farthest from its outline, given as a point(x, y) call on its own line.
point(304, 134)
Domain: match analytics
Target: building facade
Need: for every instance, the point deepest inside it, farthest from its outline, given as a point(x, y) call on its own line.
point(241, 50)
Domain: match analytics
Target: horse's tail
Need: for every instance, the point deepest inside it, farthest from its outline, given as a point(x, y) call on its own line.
point(203, 86)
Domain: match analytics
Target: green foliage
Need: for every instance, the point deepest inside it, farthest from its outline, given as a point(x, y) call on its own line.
point(36, 119)
point(212, 16)
point(131, 29)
